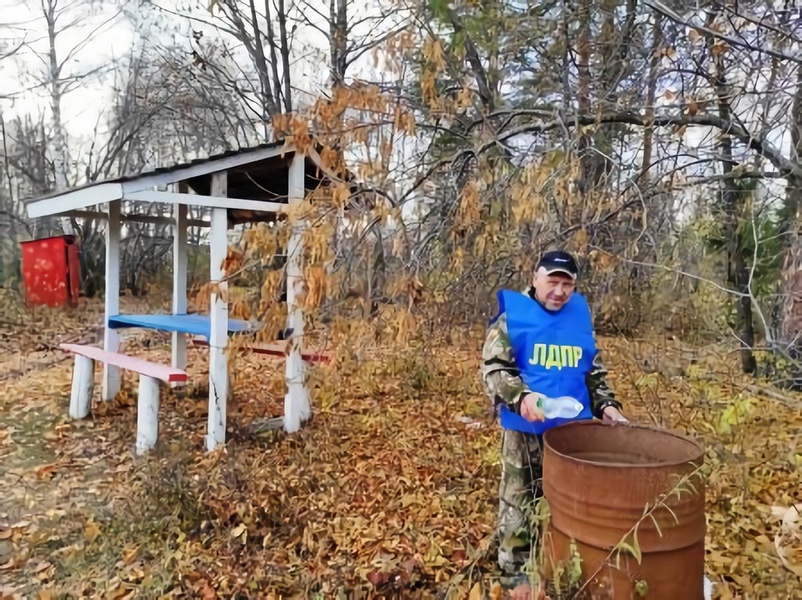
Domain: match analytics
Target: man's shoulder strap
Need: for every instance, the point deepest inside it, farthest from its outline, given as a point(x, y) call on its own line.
point(504, 297)
point(579, 308)
point(580, 300)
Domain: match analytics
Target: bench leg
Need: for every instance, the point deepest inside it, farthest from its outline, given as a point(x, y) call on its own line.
point(179, 355)
point(147, 414)
point(83, 382)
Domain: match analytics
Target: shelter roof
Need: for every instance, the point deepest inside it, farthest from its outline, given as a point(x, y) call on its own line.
point(257, 181)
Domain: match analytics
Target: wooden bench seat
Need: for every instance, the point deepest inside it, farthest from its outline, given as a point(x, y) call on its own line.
point(147, 422)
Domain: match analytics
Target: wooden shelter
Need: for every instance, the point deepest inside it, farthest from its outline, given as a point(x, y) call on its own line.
point(252, 184)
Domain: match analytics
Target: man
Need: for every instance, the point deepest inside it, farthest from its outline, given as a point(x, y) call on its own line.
point(540, 343)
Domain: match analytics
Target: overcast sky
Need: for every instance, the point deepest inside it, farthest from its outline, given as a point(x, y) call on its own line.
point(93, 37)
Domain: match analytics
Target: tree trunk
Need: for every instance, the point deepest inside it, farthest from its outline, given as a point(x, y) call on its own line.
point(732, 211)
point(651, 93)
point(285, 57)
point(790, 309)
point(59, 139)
point(338, 39)
point(583, 100)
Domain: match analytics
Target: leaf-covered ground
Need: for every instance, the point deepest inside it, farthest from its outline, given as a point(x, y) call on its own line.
point(390, 490)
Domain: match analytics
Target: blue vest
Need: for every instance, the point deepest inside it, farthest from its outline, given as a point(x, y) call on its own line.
point(553, 351)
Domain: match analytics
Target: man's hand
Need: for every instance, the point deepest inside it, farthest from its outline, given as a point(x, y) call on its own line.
point(529, 408)
point(613, 415)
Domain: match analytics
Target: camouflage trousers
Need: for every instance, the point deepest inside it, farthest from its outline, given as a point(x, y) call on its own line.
point(521, 475)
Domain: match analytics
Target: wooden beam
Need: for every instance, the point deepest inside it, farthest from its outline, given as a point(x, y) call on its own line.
point(134, 218)
point(213, 201)
point(164, 220)
point(215, 166)
point(87, 214)
point(81, 198)
point(179, 340)
point(218, 339)
point(111, 338)
point(296, 401)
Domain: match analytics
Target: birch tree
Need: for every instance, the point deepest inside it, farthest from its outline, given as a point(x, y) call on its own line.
point(54, 36)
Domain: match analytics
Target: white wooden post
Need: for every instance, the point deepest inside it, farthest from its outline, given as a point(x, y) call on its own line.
point(83, 382)
point(296, 401)
point(111, 339)
point(179, 340)
point(218, 340)
point(147, 414)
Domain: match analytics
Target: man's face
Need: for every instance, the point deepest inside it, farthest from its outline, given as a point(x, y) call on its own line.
point(553, 290)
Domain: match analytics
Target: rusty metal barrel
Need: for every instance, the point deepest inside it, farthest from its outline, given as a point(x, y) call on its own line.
point(629, 500)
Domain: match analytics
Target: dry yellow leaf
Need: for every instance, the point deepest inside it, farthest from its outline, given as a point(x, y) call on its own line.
point(91, 531)
point(788, 540)
point(130, 555)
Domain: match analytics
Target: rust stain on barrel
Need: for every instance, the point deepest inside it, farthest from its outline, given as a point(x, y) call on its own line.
point(599, 479)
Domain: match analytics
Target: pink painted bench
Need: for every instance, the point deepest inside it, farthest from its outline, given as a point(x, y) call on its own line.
point(147, 423)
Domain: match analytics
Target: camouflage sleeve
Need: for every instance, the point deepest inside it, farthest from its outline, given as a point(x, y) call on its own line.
point(502, 380)
point(601, 395)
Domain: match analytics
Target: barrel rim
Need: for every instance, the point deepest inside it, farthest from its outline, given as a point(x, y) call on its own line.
point(693, 440)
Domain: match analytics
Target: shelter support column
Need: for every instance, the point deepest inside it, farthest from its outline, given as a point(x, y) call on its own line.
point(111, 339)
point(296, 401)
point(218, 306)
point(179, 341)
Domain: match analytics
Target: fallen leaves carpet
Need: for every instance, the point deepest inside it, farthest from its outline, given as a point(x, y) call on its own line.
point(390, 491)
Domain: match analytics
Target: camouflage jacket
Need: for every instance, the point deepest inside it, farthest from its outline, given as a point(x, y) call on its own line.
point(503, 383)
